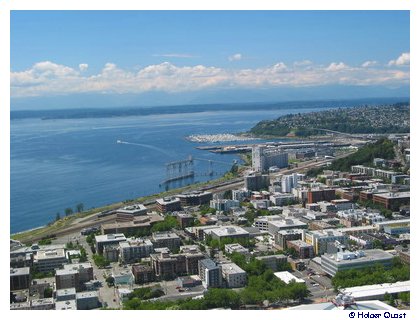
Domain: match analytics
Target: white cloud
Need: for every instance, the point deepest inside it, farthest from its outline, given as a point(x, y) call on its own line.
point(369, 63)
point(235, 57)
point(174, 55)
point(302, 63)
point(83, 66)
point(402, 60)
point(337, 66)
point(48, 78)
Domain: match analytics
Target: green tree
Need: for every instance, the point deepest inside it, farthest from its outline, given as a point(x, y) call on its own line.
point(48, 292)
point(68, 211)
point(79, 207)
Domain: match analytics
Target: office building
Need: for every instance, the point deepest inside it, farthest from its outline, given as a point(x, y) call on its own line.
point(332, 263)
point(285, 224)
point(256, 182)
point(87, 300)
point(318, 195)
point(392, 200)
point(129, 224)
point(49, 260)
point(168, 204)
point(283, 236)
point(210, 273)
point(234, 276)
point(320, 238)
point(262, 222)
point(263, 158)
point(134, 249)
point(74, 276)
point(185, 219)
point(108, 239)
point(236, 248)
point(304, 250)
point(143, 274)
point(195, 198)
point(231, 232)
point(224, 204)
point(134, 210)
point(166, 240)
point(20, 278)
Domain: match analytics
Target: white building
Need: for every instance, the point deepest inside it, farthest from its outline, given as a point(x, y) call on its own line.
point(278, 199)
point(289, 223)
point(49, 260)
point(263, 158)
point(135, 249)
point(234, 276)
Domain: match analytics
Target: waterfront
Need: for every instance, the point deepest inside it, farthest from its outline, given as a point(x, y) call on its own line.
point(59, 163)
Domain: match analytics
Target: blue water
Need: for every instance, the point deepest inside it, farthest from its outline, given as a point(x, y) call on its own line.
point(57, 164)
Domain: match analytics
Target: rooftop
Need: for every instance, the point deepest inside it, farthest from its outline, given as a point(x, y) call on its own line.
point(164, 235)
point(19, 271)
point(110, 237)
point(231, 268)
point(377, 289)
point(287, 277)
point(228, 231)
point(347, 257)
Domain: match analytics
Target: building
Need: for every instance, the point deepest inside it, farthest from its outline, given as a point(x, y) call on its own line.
point(262, 222)
point(74, 276)
point(124, 277)
point(166, 240)
point(66, 305)
point(210, 273)
point(289, 182)
point(318, 195)
point(185, 220)
point(304, 250)
point(256, 182)
point(49, 260)
point(320, 238)
point(283, 236)
point(224, 204)
point(392, 200)
point(87, 300)
point(65, 294)
point(236, 248)
point(129, 224)
point(20, 278)
point(263, 158)
point(108, 239)
point(133, 250)
point(135, 210)
point(285, 224)
point(234, 276)
point(287, 277)
point(168, 204)
point(280, 199)
point(240, 195)
point(332, 263)
point(325, 206)
point(231, 232)
point(195, 198)
point(43, 304)
point(143, 273)
point(169, 266)
point(274, 261)
point(394, 227)
point(342, 204)
point(111, 252)
point(377, 291)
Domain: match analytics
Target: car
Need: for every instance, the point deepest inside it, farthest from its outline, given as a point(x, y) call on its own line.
point(178, 287)
point(181, 290)
point(315, 285)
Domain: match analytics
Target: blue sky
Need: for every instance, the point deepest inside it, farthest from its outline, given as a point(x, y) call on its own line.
point(173, 51)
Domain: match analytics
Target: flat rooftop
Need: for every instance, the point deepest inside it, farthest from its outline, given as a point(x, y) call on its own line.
point(377, 289)
point(287, 277)
point(229, 231)
point(164, 235)
point(50, 254)
point(231, 268)
point(370, 255)
point(287, 223)
point(110, 237)
point(14, 272)
point(165, 201)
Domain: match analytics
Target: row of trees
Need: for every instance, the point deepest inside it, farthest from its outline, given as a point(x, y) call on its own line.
point(69, 211)
point(373, 275)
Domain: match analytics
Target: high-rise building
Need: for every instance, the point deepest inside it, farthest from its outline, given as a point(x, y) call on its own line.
point(210, 273)
point(263, 158)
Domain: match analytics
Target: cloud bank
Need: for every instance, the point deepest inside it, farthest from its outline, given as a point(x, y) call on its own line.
point(48, 78)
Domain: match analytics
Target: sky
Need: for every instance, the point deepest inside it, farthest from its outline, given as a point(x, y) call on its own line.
point(191, 55)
